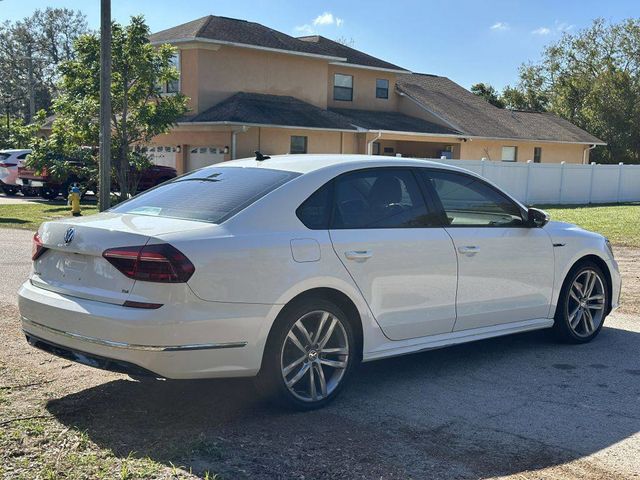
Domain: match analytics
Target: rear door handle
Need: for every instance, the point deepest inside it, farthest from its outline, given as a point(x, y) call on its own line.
point(469, 249)
point(358, 255)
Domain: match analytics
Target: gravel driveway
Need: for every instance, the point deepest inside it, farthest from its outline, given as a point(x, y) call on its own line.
point(515, 407)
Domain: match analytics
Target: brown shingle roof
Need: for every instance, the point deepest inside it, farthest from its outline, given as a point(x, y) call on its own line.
point(392, 121)
point(224, 29)
point(351, 54)
point(261, 109)
point(474, 116)
point(233, 30)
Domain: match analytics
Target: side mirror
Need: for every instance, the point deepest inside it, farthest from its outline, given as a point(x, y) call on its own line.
point(537, 218)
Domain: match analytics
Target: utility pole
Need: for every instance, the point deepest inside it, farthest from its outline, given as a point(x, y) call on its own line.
point(104, 186)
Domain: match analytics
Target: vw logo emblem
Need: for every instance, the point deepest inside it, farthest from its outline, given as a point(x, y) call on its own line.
point(69, 234)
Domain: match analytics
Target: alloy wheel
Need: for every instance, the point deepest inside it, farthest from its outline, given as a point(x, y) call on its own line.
point(586, 303)
point(314, 356)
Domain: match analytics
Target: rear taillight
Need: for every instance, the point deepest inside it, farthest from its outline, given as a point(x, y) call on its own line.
point(7, 165)
point(37, 247)
point(151, 263)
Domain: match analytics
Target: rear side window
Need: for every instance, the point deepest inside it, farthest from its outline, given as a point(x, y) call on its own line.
point(379, 198)
point(210, 194)
point(316, 210)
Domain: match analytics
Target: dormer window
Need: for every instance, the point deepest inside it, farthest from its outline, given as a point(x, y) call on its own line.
point(343, 87)
point(382, 88)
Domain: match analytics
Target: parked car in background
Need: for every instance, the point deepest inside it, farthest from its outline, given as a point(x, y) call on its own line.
point(49, 187)
point(10, 162)
point(294, 269)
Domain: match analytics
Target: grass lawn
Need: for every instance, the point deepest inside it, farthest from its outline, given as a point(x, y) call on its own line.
point(620, 223)
point(30, 215)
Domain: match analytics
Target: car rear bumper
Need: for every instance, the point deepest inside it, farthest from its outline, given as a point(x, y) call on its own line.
point(198, 340)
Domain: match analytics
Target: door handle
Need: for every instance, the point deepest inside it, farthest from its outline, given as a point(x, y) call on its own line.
point(358, 255)
point(469, 250)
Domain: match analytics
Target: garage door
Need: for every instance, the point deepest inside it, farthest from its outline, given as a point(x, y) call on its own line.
point(163, 155)
point(203, 156)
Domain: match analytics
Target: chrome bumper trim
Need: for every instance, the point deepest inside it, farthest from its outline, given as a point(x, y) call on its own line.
point(130, 346)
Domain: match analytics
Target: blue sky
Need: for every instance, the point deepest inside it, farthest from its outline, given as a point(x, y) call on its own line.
point(468, 41)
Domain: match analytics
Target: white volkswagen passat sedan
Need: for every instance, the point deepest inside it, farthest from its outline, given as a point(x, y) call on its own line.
point(295, 268)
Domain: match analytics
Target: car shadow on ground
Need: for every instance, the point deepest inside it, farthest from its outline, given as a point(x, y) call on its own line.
point(484, 409)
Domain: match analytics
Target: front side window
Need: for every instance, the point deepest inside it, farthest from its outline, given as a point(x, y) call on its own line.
point(382, 88)
point(210, 194)
point(343, 87)
point(298, 144)
point(509, 154)
point(469, 202)
point(379, 198)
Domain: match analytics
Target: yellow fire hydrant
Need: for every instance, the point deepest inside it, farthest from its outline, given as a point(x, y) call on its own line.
point(74, 201)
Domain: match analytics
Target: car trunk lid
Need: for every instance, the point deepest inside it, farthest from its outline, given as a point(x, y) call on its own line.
point(72, 262)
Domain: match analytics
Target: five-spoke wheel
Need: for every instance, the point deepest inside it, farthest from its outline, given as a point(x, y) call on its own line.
point(582, 304)
point(309, 355)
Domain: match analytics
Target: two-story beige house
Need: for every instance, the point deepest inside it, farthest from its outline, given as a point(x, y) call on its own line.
point(254, 88)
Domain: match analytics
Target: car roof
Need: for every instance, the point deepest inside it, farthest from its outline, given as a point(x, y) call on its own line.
point(15, 150)
point(307, 163)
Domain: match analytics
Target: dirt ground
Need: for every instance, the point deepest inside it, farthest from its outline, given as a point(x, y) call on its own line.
point(519, 407)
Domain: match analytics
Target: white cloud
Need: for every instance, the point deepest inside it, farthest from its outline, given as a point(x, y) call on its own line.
point(563, 26)
point(500, 26)
point(541, 31)
point(305, 29)
point(324, 20)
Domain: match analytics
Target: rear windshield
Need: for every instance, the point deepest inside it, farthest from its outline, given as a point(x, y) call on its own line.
point(211, 194)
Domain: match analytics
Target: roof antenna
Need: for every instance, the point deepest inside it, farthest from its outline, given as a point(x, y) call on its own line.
point(260, 157)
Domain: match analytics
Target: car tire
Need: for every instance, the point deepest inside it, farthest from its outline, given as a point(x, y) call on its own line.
point(49, 193)
point(310, 370)
point(10, 191)
point(583, 304)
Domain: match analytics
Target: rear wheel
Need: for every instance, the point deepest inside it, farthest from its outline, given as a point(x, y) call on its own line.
point(309, 355)
point(582, 306)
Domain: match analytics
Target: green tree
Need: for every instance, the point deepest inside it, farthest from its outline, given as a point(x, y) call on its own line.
point(140, 111)
point(17, 134)
point(488, 92)
point(592, 78)
point(30, 52)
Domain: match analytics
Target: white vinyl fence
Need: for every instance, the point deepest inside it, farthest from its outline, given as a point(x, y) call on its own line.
point(547, 183)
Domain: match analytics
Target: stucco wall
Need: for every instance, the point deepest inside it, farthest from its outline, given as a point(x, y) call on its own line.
point(364, 89)
point(277, 141)
point(475, 149)
point(211, 74)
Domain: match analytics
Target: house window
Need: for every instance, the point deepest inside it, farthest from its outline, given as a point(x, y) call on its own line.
point(388, 150)
point(343, 87)
point(172, 86)
point(537, 154)
point(382, 88)
point(298, 144)
point(509, 154)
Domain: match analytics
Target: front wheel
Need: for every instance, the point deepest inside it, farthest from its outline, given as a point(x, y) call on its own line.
point(582, 305)
point(309, 355)
point(49, 193)
point(9, 191)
